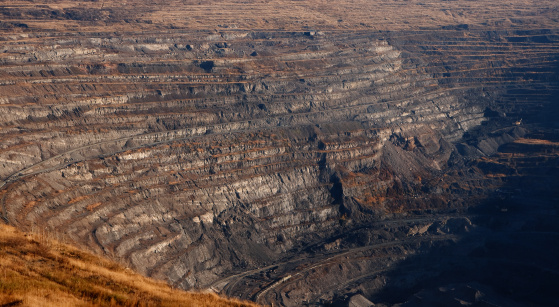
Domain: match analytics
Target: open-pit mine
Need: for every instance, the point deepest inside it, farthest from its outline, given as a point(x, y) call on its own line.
point(292, 153)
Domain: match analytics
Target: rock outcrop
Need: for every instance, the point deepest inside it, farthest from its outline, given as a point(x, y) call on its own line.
point(283, 165)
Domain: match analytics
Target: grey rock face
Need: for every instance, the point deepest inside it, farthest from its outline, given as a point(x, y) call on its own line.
point(301, 172)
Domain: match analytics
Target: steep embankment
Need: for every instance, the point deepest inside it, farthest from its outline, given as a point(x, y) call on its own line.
point(36, 270)
point(280, 158)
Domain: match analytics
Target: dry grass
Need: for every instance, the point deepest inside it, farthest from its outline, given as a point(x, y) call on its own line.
point(38, 271)
point(291, 15)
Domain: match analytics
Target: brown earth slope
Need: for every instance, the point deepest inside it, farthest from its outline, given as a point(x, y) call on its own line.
point(36, 270)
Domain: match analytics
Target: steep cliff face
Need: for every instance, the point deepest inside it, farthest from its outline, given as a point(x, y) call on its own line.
point(278, 165)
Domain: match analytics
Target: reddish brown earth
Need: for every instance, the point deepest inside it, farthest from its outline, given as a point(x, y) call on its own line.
point(292, 152)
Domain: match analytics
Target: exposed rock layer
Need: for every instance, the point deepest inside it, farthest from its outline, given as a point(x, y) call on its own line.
point(280, 166)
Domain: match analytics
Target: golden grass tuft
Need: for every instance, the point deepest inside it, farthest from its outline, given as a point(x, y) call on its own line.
point(35, 271)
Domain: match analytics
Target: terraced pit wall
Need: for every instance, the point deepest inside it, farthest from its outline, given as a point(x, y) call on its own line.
point(251, 161)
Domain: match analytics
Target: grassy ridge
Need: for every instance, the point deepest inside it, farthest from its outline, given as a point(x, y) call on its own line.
point(37, 271)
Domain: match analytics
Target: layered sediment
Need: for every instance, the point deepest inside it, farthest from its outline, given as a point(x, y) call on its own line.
point(283, 165)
